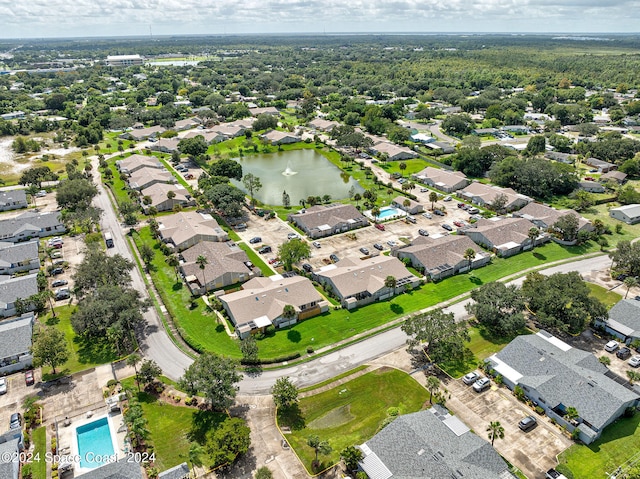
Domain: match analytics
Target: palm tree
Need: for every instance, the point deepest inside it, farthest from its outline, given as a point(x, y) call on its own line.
point(357, 197)
point(402, 166)
point(391, 283)
point(633, 376)
point(571, 414)
point(174, 262)
point(319, 447)
point(495, 431)
point(433, 197)
point(630, 282)
point(288, 312)
point(469, 255)
point(533, 234)
point(375, 211)
point(195, 453)
point(433, 384)
point(133, 360)
point(202, 262)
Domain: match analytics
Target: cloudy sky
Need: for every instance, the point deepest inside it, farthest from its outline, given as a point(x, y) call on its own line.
point(67, 18)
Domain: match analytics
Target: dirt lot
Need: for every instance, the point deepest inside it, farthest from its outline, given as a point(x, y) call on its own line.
point(534, 452)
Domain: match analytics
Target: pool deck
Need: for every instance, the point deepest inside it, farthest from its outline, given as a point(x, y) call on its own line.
point(397, 213)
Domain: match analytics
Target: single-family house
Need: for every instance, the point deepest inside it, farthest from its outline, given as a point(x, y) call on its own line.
point(276, 137)
point(136, 162)
point(13, 200)
point(412, 207)
point(145, 177)
point(441, 147)
point(226, 264)
point(13, 115)
point(624, 320)
point(186, 124)
point(504, 236)
point(165, 145)
point(188, 228)
point(630, 214)
point(267, 110)
point(210, 136)
point(484, 195)
point(15, 343)
point(443, 180)
point(360, 282)
point(601, 165)
point(262, 301)
point(422, 138)
point(11, 444)
point(544, 217)
point(139, 134)
point(431, 444)
point(120, 469)
point(393, 152)
point(560, 157)
point(29, 225)
point(165, 197)
point(485, 131)
point(591, 186)
point(17, 257)
point(616, 176)
point(321, 124)
point(320, 220)
point(520, 129)
point(557, 376)
point(442, 256)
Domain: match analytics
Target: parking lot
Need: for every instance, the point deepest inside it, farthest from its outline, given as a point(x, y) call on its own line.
point(72, 253)
point(533, 452)
point(17, 391)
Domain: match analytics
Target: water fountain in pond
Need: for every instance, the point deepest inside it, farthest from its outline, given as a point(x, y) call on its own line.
point(288, 171)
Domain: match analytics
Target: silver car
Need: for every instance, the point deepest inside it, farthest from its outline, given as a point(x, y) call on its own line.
point(470, 378)
point(3, 386)
point(481, 384)
point(634, 362)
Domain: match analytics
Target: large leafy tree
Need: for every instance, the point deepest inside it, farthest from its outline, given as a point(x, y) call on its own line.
point(444, 338)
point(293, 251)
point(567, 225)
point(285, 393)
point(226, 442)
point(97, 269)
point(626, 258)
point(253, 184)
point(228, 199)
point(50, 348)
point(36, 175)
point(498, 307)
point(195, 146)
point(215, 377)
point(226, 167)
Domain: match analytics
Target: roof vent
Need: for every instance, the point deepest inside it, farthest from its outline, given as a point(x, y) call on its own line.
point(420, 452)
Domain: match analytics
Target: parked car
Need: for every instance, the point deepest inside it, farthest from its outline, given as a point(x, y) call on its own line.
point(3, 386)
point(411, 219)
point(56, 255)
point(423, 190)
point(334, 258)
point(392, 243)
point(29, 378)
point(265, 250)
point(461, 205)
point(611, 346)
point(307, 267)
point(293, 236)
point(438, 212)
point(422, 232)
point(63, 294)
point(364, 250)
point(481, 385)
point(378, 246)
point(273, 260)
point(380, 226)
point(16, 421)
point(470, 378)
point(316, 244)
point(447, 227)
point(427, 215)
point(553, 474)
point(634, 362)
point(59, 282)
point(447, 198)
point(459, 224)
point(527, 423)
point(57, 271)
point(255, 239)
point(623, 353)
point(189, 176)
point(41, 194)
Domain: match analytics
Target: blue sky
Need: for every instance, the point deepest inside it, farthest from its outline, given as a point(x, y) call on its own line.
point(67, 18)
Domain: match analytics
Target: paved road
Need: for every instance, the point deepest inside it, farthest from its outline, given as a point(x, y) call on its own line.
point(435, 130)
point(156, 344)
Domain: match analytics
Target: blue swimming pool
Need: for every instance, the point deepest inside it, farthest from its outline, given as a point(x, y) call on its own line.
point(94, 443)
point(389, 211)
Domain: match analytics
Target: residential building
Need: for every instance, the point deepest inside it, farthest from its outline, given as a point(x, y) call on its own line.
point(557, 376)
point(485, 131)
point(11, 444)
point(504, 236)
point(276, 137)
point(413, 208)
point(630, 214)
point(120, 469)
point(443, 180)
point(360, 282)
point(261, 303)
point(29, 225)
point(624, 320)
point(14, 115)
point(165, 145)
point(393, 152)
point(560, 157)
point(230, 130)
point(13, 200)
point(136, 162)
point(139, 134)
point(544, 217)
point(441, 147)
point(422, 138)
point(484, 195)
point(186, 124)
point(442, 256)
point(210, 136)
point(320, 220)
point(188, 228)
point(616, 176)
point(15, 343)
point(226, 264)
point(13, 288)
point(181, 471)
point(17, 257)
point(124, 60)
point(431, 444)
point(158, 193)
point(591, 186)
point(600, 165)
point(145, 177)
point(321, 124)
point(520, 129)
point(267, 110)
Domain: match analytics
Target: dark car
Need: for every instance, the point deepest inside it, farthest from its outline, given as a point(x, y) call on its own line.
point(364, 250)
point(28, 378)
point(59, 282)
point(307, 267)
point(63, 294)
point(623, 353)
point(265, 250)
point(528, 423)
point(255, 239)
point(438, 212)
point(16, 421)
point(423, 232)
point(447, 227)
point(334, 258)
point(57, 271)
point(553, 474)
point(378, 246)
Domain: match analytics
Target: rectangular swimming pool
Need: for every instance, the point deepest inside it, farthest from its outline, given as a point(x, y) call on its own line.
point(95, 443)
point(388, 212)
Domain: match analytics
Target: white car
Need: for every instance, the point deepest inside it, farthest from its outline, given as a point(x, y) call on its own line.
point(611, 346)
point(3, 386)
point(427, 215)
point(634, 362)
point(470, 378)
point(316, 244)
point(447, 198)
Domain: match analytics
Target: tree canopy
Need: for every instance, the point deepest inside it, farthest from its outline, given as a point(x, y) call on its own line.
point(498, 307)
point(293, 251)
point(215, 377)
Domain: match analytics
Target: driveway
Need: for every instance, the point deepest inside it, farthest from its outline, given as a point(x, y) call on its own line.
point(533, 452)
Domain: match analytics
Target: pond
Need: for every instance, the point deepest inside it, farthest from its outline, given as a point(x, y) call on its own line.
point(301, 173)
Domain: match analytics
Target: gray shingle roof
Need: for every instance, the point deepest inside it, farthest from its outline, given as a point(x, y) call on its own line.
point(12, 197)
point(13, 253)
point(116, 470)
point(566, 375)
point(331, 215)
point(422, 445)
point(18, 287)
point(181, 471)
point(8, 445)
point(627, 313)
point(15, 336)
point(37, 221)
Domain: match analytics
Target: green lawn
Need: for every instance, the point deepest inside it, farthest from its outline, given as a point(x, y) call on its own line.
point(351, 413)
point(618, 444)
point(413, 166)
point(333, 379)
point(83, 354)
point(256, 259)
point(39, 440)
point(609, 298)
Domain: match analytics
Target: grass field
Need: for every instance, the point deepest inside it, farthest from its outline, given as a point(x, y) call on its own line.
point(83, 354)
point(609, 298)
point(351, 413)
point(618, 444)
point(601, 212)
point(39, 440)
